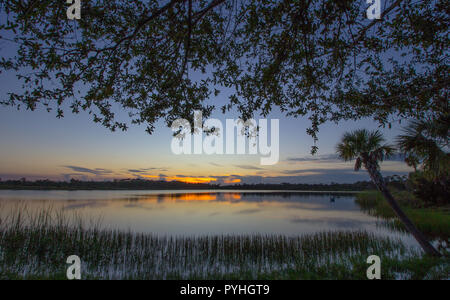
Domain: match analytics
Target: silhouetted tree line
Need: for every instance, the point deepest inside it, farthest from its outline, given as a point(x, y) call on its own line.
point(125, 184)
point(140, 184)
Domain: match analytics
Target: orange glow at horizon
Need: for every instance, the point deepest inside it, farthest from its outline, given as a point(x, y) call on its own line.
point(191, 179)
point(228, 181)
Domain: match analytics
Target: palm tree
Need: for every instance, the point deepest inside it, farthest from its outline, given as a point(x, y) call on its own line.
point(368, 149)
point(424, 142)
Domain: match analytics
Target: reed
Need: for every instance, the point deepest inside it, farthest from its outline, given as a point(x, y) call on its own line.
point(434, 222)
point(36, 246)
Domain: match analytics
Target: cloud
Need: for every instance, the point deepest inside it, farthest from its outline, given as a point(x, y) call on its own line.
point(248, 167)
point(317, 171)
point(323, 176)
point(159, 169)
point(103, 170)
point(145, 170)
point(214, 164)
point(323, 157)
point(333, 158)
point(136, 171)
point(308, 176)
point(97, 171)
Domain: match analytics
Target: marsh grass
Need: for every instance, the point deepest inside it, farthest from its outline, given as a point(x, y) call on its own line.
point(36, 246)
point(434, 222)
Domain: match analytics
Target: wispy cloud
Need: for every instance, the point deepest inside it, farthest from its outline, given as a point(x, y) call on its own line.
point(324, 157)
point(145, 170)
point(136, 171)
point(147, 173)
point(317, 171)
point(248, 167)
point(333, 158)
point(306, 176)
point(97, 171)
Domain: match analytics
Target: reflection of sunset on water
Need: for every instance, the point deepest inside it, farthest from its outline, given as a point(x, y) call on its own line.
point(189, 197)
point(197, 212)
point(233, 196)
point(222, 197)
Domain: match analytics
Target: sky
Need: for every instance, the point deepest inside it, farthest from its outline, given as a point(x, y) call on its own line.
point(37, 145)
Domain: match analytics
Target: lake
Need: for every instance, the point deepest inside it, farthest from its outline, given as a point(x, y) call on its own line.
point(205, 212)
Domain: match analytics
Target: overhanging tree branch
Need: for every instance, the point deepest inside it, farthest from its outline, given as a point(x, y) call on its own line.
point(144, 22)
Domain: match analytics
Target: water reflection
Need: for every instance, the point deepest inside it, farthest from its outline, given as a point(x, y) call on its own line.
point(207, 212)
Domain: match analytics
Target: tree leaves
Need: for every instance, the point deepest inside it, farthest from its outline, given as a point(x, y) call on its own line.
point(319, 59)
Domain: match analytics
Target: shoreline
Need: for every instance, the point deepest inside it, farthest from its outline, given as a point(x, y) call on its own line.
point(223, 189)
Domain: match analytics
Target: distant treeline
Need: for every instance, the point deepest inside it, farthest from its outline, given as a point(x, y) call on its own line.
point(357, 186)
point(139, 184)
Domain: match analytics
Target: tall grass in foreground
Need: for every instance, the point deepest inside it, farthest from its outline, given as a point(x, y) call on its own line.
point(37, 246)
point(434, 222)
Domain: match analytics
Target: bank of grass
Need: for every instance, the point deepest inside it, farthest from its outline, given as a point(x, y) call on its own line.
point(37, 246)
point(434, 222)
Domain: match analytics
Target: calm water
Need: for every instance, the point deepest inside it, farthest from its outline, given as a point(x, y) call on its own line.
point(206, 212)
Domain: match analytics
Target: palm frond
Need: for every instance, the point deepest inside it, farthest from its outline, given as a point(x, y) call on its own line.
point(345, 151)
point(358, 164)
point(363, 143)
point(374, 139)
point(424, 141)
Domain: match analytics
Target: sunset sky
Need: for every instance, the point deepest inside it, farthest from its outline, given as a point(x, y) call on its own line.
point(36, 145)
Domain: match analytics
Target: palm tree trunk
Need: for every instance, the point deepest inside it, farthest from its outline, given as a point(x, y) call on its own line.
point(381, 185)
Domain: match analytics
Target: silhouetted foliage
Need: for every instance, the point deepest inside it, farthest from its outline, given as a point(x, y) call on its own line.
point(139, 184)
point(431, 192)
point(322, 59)
point(368, 149)
point(425, 143)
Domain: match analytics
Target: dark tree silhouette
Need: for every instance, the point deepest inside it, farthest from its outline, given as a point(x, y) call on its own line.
point(321, 59)
point(368, 150)
point(426, 142)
